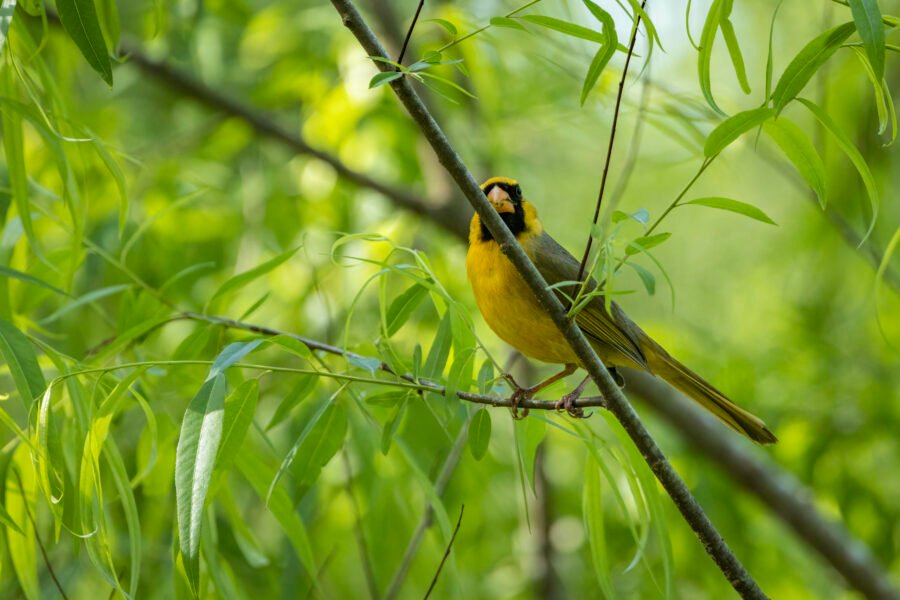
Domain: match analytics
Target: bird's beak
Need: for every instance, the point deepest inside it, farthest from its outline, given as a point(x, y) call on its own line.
point(500, 200)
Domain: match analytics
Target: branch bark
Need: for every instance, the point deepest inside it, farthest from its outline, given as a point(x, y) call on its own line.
point(712, 541)
point(780, 492)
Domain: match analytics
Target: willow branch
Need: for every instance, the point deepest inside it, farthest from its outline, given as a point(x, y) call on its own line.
point(712, 541)
point(444, 558)
point(780, 492)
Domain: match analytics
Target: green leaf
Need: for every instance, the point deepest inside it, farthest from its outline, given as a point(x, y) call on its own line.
point(14, 274)
point(195, 457)
point(565, 27)
point(240, 407)
point(390, 428)
point(604, 54)
point(21, 500)
point(594, 519)
point(320, 446)
point(846, 144)
point(22, 363)
point(646, 276)
point(403, 306)
point(641, 215)
point(734, 51)
point(390, 399)
point(291, 344)
point(447, 25)
point(440, 350)
point(877, 90)
point(480, 433)
point(485, 376)
point(735, 206)
point(867, 17)
point(801, 69)
point(88, 298)
point(508, 23)
point(646, 242)
point(799, 149)
point(384, 77)
point(770, 55)
point(704, 56)
point(242, 279)
point(733, 127)
point(231, 354)
point(306, 383)
point(79, 18)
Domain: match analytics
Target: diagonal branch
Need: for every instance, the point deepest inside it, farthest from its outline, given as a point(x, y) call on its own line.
point(782, 494)
point(712, 541)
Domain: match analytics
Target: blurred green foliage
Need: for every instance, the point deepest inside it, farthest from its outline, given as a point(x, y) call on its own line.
point(124, 205)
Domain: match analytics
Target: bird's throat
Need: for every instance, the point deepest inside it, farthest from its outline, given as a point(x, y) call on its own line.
point(515, 222)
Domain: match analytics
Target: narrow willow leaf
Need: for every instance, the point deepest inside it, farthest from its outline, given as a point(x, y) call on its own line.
point(390, 428)
point(447, 25)
point(243, 535)
point(14, 149)
point(648, 24)
point(118, 177)
point(440, 350)
point(259, 474)
point(889, 251)
point(846, 144)
point(403, 306)
point(291, 344)
point(320, 446)
point(195, 457)
point(704, 56)
point(735, 206)
point(480, 433)
point(389, 399)
point(88, 298)
point(129, 507)
point(532, 433)
point(304, 386)
point(15, 274)
point(801, 69)
point(21, 488)
point(22, 363)
point(646, 242)
point(734, 51)
point(892, 112)
point(565, 27)
point(867, 17)
point(240, 407)
point(485, 376)
point(298, 443)
point(594, 519)
point(646, 276)
point(508, 23)
point(242, 279)
point(604, 54)
point(877, 89)
point(231, 354)
point(108, 14)
point(733, 127)
point(384, 77)
point(799, 149)
point(79, 19)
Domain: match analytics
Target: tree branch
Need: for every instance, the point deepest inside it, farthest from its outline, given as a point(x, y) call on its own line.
point(712, 541)
point(780, 492)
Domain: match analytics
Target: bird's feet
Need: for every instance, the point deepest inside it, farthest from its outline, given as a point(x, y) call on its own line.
point(567, 402)
point(520, 395)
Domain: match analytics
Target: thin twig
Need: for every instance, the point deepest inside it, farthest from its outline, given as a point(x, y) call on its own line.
point(419, 534)
point(612, 141)
point(693, 513)
point(446, 552)
point(37, 537)
point(409, 32)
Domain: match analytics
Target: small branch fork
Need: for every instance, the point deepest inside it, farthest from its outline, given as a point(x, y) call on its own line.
point(612, 141)
point(409, 32)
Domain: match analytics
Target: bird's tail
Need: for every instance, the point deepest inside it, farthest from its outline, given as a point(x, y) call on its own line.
point(663, 365)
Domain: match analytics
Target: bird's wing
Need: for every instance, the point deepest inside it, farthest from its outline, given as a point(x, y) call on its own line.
point(614, 331)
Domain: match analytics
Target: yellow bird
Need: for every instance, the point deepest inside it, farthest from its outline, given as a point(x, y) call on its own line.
point(511, 310)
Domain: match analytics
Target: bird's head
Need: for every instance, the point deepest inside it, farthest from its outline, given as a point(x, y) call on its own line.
point(505, 195)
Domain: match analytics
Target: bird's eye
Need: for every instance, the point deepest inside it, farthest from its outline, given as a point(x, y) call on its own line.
point(518, 191)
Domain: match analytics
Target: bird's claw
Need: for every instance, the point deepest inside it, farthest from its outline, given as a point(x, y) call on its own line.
point(567, 403)
point(520, 395)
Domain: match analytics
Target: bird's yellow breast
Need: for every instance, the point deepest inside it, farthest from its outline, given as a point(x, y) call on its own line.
point(509, 306)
